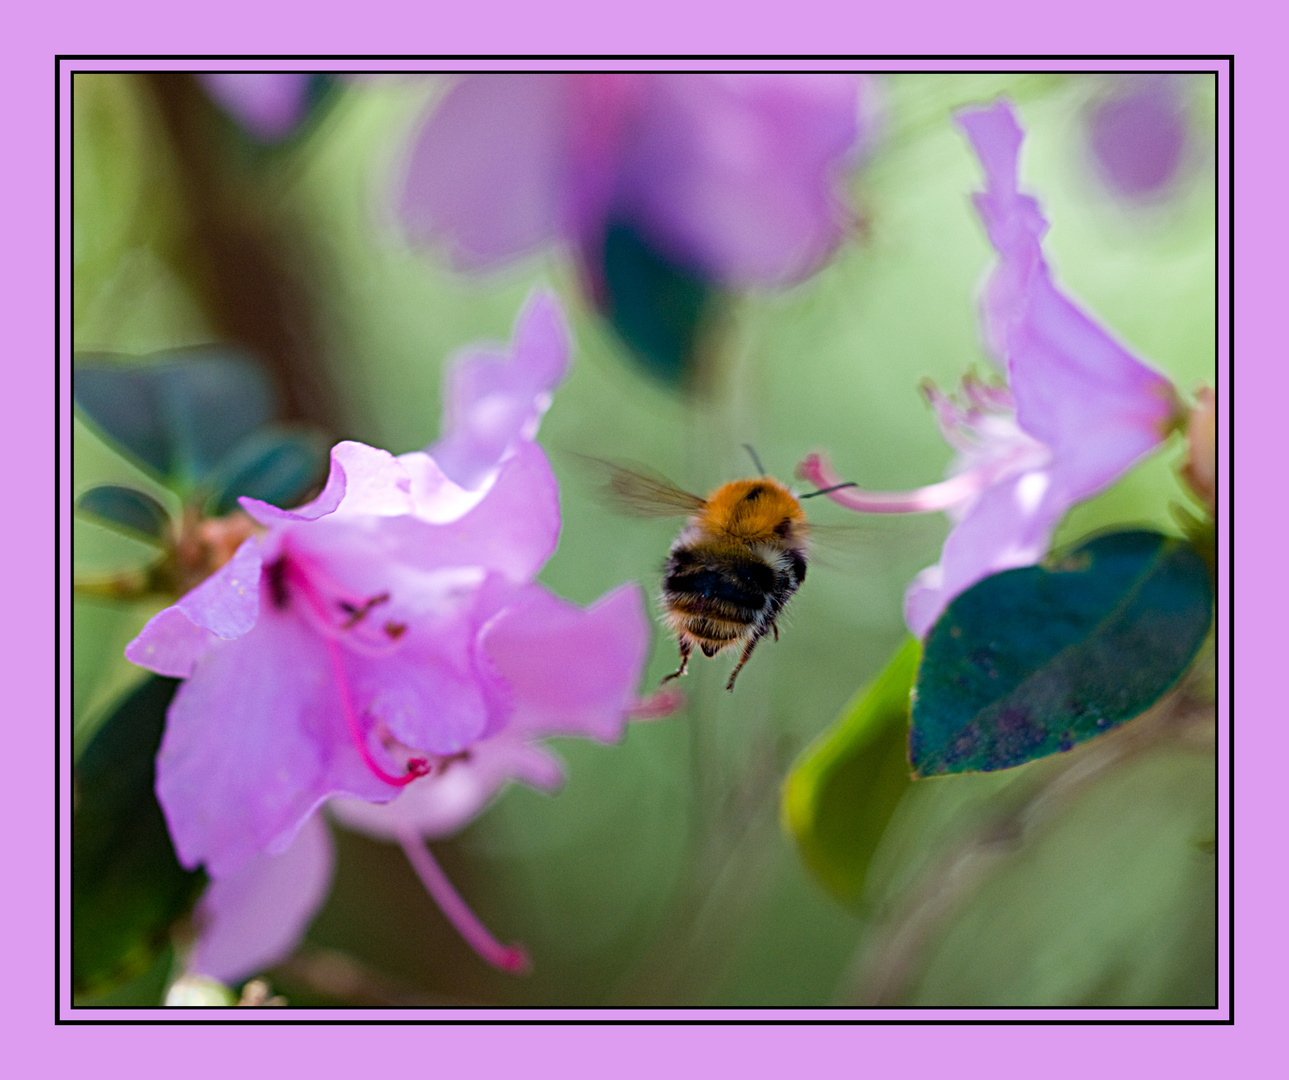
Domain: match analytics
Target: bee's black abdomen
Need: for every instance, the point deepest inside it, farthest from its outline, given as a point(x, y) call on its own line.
point(798, 565)
point(745, 592)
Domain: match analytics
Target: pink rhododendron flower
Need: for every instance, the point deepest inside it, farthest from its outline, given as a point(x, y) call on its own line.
point(732, 176)
point(385, 638)
point(267, 104)
point(1078, 409)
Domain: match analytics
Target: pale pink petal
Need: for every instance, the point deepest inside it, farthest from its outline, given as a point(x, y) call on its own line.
point(255, 739)
point(573, 671)
point(225, 605)
point(487, 170)
point(255, 918)
point(494, 399)
point(363, 480)
point(1009, 525)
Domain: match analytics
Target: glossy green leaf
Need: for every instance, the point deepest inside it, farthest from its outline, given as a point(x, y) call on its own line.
point(127, 886)
point(842, 791)
point(126, 510)
point(657, 307)
point(274, 464)
point(1033, 661)
point(179, 413)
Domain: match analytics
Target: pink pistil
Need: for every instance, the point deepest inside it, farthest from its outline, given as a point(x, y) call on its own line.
point(957, 489)
point(510, 958)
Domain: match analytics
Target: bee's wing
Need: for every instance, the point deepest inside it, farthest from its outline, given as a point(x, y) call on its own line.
point(642, 494)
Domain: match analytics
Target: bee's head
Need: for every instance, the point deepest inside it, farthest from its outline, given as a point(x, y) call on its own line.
point(757, 511)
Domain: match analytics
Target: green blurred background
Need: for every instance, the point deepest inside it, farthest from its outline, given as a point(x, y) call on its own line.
point(660, 875)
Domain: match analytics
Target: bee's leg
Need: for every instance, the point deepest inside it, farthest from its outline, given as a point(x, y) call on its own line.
point(775, 627)
point(686, 647)
point(747, 651)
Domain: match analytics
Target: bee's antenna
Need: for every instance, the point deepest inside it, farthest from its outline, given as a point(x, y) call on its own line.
point(824, 491)
point(755, 460)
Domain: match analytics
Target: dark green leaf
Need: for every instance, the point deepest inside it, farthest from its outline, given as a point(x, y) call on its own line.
point(842, 791)
point(127, 886)
point(127, 510)
point(179, 413)
point(276, 465)
point(1033, 661)
point(657, 307)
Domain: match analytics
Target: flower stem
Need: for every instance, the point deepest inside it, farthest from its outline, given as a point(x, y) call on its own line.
point(511, 958)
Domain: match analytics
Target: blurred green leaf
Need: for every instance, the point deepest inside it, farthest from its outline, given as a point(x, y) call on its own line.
point(179, 412)
point(658, 308)
point(127, 886)
point(1113, 904)
point(274, 464)
point(127, 510)
point(1033, 661)
point(842, 791)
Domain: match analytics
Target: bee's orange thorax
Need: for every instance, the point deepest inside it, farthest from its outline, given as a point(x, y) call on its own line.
point(752, 511)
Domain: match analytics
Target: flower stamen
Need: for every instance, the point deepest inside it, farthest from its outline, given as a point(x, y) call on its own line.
point(416, 767)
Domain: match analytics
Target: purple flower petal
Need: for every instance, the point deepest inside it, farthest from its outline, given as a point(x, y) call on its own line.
point(225, 605)
point(269, 105)
point(486, 171)
point(255, 740)
point(738, 175)
point(1077, 390)
point(363, 480)
point(513, 530)
point(572, 671)
point(495, 399)
point(254, 918)
point(439, 805)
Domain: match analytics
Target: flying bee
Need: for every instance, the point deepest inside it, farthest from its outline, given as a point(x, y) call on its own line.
point(736, 563)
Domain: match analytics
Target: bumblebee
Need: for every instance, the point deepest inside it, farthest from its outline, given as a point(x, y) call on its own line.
point(737, 562)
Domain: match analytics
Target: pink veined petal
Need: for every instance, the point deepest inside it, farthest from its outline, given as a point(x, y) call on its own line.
point(225, 605)
point(269, 105)
point(486, 171)
point(573, 671)
point(255, 739)
point(1078, 391)
point(440, 805)
point(493, 400)
point(254, 918)
point(738, 175)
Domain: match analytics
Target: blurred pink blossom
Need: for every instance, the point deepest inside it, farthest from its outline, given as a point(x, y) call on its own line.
point(735, 177)
point(267, 104)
